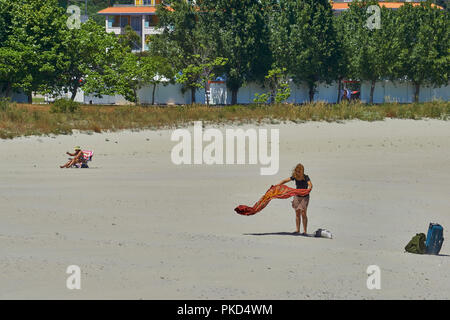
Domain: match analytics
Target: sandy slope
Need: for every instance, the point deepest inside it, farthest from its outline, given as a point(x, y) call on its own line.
point(141, 227)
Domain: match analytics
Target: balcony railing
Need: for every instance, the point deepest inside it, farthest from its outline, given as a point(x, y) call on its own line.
point(143, 3)
point(133, 5)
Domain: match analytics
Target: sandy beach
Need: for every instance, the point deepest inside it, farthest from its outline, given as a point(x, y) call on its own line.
point(141, 227)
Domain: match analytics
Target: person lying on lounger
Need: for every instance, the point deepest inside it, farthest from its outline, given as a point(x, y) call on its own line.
point(78, 157)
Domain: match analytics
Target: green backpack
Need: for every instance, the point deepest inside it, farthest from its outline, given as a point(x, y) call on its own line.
point(417, 244)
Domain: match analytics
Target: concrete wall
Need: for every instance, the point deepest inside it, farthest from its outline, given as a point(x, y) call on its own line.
point(170, 94)
point(402, 92)
point(385, 91)
point(18, 97)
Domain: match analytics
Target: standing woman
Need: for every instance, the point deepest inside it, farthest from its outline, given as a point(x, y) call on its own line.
point(300, 204)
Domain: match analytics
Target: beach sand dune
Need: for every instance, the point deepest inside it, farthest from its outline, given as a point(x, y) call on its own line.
point(139, 226)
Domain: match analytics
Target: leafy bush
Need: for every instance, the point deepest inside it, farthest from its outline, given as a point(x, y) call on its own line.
point(64, 106)
point(261, 98)
point(4, 104)
point(278, 83)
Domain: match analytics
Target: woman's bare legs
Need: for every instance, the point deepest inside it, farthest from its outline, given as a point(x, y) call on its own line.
point(305, 220)
point(297, 221)
point(70, 163)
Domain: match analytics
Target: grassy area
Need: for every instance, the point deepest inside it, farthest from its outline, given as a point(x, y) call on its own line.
point(23, 120)
point(38, 100)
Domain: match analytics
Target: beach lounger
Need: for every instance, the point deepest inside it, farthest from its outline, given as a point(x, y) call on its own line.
point(87, 155)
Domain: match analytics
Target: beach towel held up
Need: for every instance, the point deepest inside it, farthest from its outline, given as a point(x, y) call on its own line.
point(274, 192)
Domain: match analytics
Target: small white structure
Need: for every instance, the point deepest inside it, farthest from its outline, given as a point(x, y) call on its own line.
point(218, 93)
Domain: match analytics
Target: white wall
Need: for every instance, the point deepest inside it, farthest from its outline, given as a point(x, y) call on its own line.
point(402, 92)
point(18, 97)
point(170, 94)
point(385, 91)
point(299, 94)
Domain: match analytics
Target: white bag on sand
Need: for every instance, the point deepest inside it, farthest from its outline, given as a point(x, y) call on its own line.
point(323, 233)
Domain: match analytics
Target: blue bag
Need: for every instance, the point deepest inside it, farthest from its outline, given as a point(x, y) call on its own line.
point(435, 238)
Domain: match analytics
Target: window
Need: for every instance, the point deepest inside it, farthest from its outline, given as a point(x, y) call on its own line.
point(124, 21)
point(114, 21)
point(151, 21)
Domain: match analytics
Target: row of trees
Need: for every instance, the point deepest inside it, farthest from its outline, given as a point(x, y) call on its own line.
point(266, 41)
point(307, 41)
point(41, 52)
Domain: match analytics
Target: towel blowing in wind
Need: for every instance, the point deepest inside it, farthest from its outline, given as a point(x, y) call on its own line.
point(280, 191)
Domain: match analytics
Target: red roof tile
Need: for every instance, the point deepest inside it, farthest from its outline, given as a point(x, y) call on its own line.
point(390, 5)
point(128, 10)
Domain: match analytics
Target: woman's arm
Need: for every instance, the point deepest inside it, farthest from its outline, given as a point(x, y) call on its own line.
point(284, 181)
point(310, 185)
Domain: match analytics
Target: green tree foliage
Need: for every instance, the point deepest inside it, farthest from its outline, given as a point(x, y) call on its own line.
point(277, 82)
point(84, 50)
point(424, 39)
point(443, 3)
point(373, 47)
point(183, 37)
point(125, 72)
point(303, 39)
point(198, 75)
point(156, 70)
point(120, 74)
point(343, 53)
point(130, 38)
point(31, 50)
point(243, 40)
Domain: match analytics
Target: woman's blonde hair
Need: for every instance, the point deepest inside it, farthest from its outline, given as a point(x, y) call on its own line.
point(299, 172)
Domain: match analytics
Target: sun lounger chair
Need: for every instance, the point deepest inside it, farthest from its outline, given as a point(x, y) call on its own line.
point(87, 155)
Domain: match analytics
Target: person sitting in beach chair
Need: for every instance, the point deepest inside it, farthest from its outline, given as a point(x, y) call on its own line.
point(79, 160)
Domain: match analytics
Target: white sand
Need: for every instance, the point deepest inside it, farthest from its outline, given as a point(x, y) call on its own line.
point(140, 227)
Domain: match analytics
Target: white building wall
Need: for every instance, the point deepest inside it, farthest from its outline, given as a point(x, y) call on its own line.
point(105, 100)
point(327, 92)
point(385, 91)
point(170, 94)
point(299, 94)
point(402, 92)
point(442, 93)
point(18, 97)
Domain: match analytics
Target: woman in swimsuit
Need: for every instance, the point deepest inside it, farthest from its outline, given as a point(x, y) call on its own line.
point(78, 157)
point(300, 204)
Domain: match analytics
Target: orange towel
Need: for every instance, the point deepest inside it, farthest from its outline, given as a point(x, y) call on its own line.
point(274, 192)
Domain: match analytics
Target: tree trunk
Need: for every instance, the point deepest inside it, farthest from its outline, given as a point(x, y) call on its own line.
point(311, 93)
point(416, 92)
point(30, 97)
point(234, 93)
point(339, 90)
point(207, 97)
point(74, 92)
point(136, 98)
point(8, 89)
point(192, 95)
point(372, 90)
point(272, 96)
point(153, 94)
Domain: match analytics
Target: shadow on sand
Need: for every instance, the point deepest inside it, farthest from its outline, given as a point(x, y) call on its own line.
point(309, 235)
